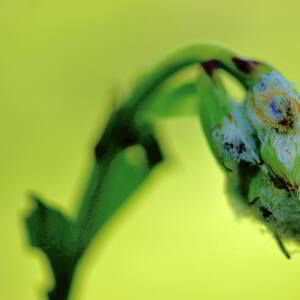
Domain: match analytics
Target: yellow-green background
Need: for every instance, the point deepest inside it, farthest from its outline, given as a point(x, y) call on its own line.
point(61, 62)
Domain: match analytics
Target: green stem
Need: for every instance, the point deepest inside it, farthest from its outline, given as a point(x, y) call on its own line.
point(210, 56)
point(246, 71)
point(64, 280)
point(123, 131)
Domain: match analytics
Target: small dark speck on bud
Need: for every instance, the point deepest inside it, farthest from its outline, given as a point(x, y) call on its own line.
point(265, 212)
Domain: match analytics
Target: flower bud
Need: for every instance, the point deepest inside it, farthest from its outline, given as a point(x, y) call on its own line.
point(259, 142)
point(273, 106)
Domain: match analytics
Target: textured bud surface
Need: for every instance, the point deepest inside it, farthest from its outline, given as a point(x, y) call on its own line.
point(274, 104)
point(273, 108)
point(235, 138)
point(259, 142)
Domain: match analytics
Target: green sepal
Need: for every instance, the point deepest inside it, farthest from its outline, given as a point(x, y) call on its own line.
point(213, 107)
point(282, 177)
point(296, 171)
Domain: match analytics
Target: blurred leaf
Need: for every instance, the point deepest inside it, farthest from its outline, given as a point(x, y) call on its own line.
point(171, 101)
point(126, 173)
point(64, 241)
point(55, 235)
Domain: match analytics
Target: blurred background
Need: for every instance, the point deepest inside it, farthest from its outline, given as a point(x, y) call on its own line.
point(61, 63)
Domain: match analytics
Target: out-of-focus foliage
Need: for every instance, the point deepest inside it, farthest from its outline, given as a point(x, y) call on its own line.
point(65, 241)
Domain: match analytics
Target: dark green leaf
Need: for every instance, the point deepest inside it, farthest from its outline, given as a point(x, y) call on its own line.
point(53, 233)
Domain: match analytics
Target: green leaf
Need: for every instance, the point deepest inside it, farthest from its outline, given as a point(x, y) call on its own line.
point(55, 235)
point(171, 101)
point(64, 241)
point(125, 175)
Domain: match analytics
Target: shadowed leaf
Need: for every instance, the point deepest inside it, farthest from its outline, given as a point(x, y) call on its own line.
point(55, 235)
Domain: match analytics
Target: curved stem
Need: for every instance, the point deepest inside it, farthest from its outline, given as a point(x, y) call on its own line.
point(210, 56)
point(122, 131)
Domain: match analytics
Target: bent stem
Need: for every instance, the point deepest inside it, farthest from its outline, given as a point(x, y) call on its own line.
point(114, 179)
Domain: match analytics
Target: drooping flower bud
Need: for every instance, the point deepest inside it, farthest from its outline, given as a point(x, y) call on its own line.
point(258, 141)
